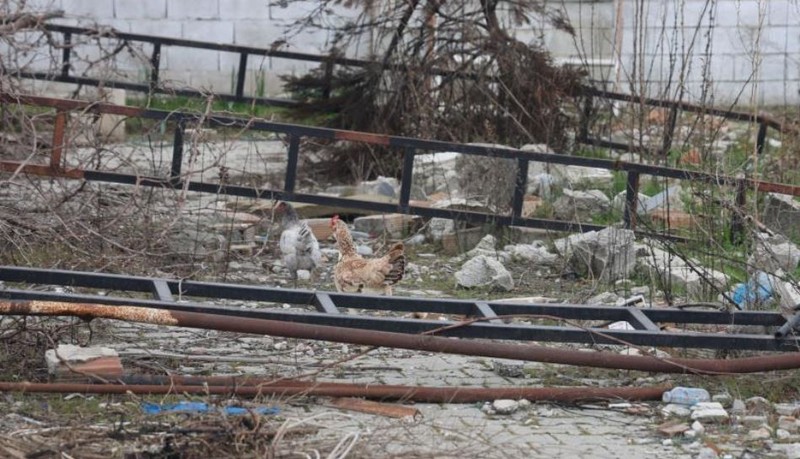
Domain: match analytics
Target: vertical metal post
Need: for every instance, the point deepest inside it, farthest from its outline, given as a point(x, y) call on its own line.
point(761, 138)
point(405, 179)
point(519, 188)
point(177, 152)
point(328, 83)
point(155, 65)
point(58, 140)
point(737, 219)
point(631, 200)
point(586, 116)
point(669, 131)
point(241, 75)
point(291, 163)
point(65, 54)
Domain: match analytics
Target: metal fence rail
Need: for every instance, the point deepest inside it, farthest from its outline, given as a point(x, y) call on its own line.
point(329, 63)
point(195, 297)
point(406, 146)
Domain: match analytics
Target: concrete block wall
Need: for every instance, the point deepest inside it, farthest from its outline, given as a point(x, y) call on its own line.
point(743, 50)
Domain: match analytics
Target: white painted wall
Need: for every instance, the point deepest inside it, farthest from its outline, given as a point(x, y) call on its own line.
point(744, 51)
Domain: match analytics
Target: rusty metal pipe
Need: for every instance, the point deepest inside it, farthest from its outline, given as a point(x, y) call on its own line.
point(409, 393)
point(429, 343)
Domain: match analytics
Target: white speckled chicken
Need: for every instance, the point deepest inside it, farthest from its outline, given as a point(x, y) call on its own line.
point(299, 247)
point(355, 274)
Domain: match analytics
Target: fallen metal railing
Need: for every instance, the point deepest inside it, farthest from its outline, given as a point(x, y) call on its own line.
point(329, 62)
point(189, 300)
point(406, 146)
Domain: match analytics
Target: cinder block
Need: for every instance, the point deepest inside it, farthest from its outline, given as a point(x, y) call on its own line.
point(244, 9)
point(83, 8)
point(161, 27)
point(193, 9)
point(214, 31)
point(259, 33)
point(140, 9)
point(191, 59)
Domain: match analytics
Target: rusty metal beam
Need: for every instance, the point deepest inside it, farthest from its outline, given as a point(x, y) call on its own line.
point(59, 145)
point(403, 341)
point(378, 392)
point(40, 169)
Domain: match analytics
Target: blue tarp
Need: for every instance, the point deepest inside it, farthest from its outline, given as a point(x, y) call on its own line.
point(200, 407)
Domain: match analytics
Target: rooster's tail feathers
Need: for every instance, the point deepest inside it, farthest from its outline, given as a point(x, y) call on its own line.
point(397, 260)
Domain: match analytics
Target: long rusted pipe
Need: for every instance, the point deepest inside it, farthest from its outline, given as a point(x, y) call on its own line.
point(429, 343)
point(410, 393)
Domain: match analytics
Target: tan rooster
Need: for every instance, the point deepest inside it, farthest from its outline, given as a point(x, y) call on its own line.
point(355, 274)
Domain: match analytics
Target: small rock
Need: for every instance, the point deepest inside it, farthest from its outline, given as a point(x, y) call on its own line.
point(788, 423)
point(364, 250)
point(698, 427)
point(758, 405)
point(690, 434)
point(667, 442)
point(483, 271)
point(303, 274)
point(524, 403)
point(787, 409)
point(791, 450)
point(708, 412)
point(508, 370)
point(738, 407)
point(505, 406)
point(782, 434)
point(759, 434)
point(723, 399)
point(753, 420)
point(707, 453)
point(680, 411)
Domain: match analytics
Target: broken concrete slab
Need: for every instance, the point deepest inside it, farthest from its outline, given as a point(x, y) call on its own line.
point(581, 206)
point(395, 225)
point(483, 271)
point(771, 253)
point(535, 253)
point(708, 412)
point(68, 361)
point(607, 255)
point(782, 214)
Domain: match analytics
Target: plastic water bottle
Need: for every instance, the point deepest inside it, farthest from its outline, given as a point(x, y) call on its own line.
point(686, 395)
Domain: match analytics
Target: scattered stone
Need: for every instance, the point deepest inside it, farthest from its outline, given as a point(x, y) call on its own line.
point(707, 453)
point(438, 227)
point(542, 185)
point(395, 225)
point(605, 298)
point(667, 442)
point(580, 176)
point(771, 253)
point(738, 407)
point(724, 399)
point(788, 423)
point(708, 412)
point(758, 405)
point(489, 178)
point(680, 411)
point(753, 420)
point(581, 206)
point(618, 203)
point(303, 274)
point(791, 450)
point(698, 427)
point(505, 406)
point(434, 172)
point(782, 214)
point(508, 370)
point(606, 255)
point(761, 434)
point(483, 271)
point(485, 247)
point(672, 428)
point(782, 434)
point(787, 409)
point(386, 186)
point(534, 253)
point(364, 250)
point(669, 198)
point(68, 361)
